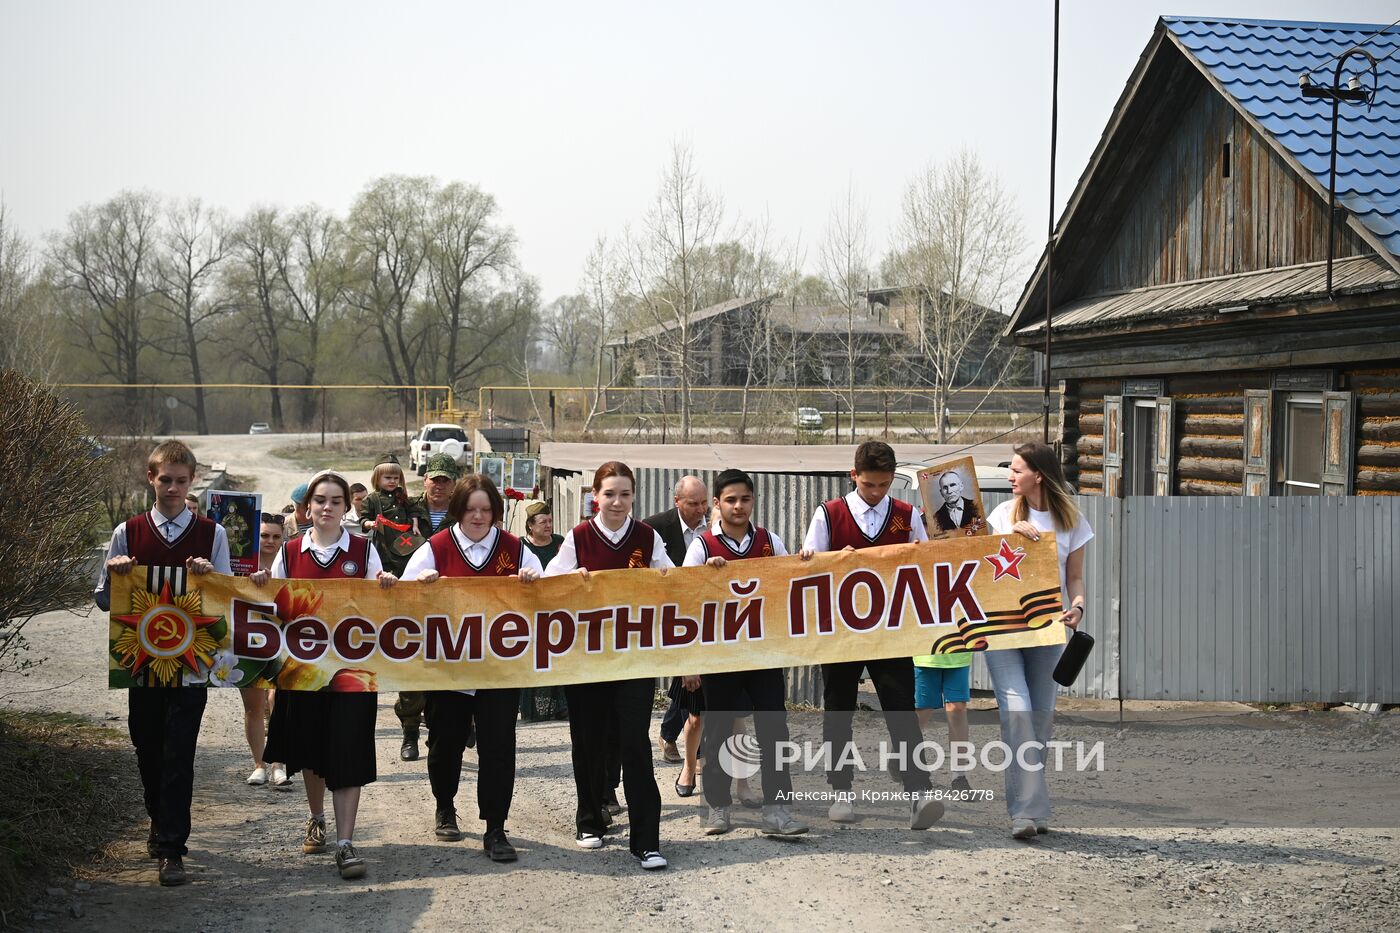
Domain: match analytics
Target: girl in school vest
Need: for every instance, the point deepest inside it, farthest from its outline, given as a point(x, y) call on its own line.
point(613, 540)
point(472, 546)
point(327, 732)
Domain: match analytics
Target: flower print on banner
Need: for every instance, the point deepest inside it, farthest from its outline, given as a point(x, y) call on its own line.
point(225, 671)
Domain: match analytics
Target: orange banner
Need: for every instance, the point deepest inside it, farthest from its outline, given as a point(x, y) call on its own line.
point(961, 594)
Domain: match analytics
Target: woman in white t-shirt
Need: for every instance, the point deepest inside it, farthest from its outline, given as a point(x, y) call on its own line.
point(1022, 677)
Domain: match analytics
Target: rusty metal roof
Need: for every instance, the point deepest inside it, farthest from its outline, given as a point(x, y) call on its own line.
point(1353, 275)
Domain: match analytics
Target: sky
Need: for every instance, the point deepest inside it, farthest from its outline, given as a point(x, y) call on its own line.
point(565, 111)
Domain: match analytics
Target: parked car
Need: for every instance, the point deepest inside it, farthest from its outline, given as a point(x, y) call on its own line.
point(95, 447)
point(438, 439)
point(808, 419)
point(259, 427)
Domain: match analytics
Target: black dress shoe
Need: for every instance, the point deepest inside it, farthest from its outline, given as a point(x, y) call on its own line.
point(172, 872)
point(409, 752)
point(684, 790)
point(498, 846)
point(611, 805)
point(446, 828)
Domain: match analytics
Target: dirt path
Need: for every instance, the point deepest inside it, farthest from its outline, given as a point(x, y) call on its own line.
point(1180, 831)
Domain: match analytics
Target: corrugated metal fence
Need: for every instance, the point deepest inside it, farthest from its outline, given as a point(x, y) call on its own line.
point(1247, 599)
point(1261, 599)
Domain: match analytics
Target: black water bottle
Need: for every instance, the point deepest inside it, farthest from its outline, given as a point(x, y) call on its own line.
point(1074, 656)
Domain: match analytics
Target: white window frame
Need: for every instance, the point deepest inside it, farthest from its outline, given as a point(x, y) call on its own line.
point(1310, 399)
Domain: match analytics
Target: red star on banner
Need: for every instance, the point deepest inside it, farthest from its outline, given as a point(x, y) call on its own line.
point(1007, 561)
point(165, 633)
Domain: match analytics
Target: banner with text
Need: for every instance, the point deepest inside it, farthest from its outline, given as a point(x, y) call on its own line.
point(962, 594)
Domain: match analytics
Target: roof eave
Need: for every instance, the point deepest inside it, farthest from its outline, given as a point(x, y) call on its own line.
point(1086, 178)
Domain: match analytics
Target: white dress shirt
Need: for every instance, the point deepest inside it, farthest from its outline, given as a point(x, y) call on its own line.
point(170, 529)
point(325, 555)
point(690, 534)
point(695, 554)
point(871, 518)
point(476, 553)
point(566, 561)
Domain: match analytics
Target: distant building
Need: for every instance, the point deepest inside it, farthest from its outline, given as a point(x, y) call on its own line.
point(1200, 350)
point(785, 343)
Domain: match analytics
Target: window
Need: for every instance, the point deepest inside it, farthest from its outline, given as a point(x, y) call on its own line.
point(1300, 461)
point(446, 434)
point(1141, 444)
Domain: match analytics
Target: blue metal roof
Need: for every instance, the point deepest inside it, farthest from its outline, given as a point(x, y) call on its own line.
point(1258, 63)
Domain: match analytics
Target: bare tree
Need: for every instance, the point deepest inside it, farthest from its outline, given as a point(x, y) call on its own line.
point(604, 288)
point(28, 335)
point(957, 257)
point(845, 266)
point(192, 244)
point(468, 256)
point(567, 327)
point(309, 257)
point(389, 249)
point(669, 261)
point(262, 331)
point(103, 262)
point(760, 270)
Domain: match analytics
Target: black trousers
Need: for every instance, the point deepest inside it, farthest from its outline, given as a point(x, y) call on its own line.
point(725, 698)
point(164, 725)
point(894, 685)
point(450, 716)
point(628, 704)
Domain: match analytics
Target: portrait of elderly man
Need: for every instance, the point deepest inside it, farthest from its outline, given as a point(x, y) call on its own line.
point(957, 511)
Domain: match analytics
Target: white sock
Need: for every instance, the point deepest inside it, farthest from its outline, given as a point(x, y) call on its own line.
point(342, 843)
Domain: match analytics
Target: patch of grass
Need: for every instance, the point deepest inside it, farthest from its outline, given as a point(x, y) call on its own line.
point(70, 788)
point(343, 454)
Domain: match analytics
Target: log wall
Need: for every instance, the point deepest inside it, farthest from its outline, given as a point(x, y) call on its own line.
point(1208, 434)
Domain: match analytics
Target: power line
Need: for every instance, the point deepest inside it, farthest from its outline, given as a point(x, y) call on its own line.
point(1333, 58)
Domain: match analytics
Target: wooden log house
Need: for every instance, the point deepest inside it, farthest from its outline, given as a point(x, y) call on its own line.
point(1197, 346)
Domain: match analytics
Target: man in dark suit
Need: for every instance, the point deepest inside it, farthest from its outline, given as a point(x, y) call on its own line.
point(956, 511)
point(678, 527)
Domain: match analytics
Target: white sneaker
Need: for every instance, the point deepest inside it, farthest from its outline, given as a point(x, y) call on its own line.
point(588, 841)
point(925, 810)
point(843, 810)
point(278, 778)
point(258, 777)
point(777, 821)
point(651, 861)
point(1023, 829)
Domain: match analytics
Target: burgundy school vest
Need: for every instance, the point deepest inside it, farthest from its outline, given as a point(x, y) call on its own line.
point(147, 545)
point(760, 544)
point(301, 564)
point(596, 552)
point(846, 531)
point(165, 560)
point(503, 561)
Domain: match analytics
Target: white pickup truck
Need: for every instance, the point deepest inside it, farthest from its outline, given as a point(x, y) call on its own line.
point(438, 439)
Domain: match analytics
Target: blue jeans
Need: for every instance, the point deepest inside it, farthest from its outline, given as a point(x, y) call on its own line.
point(1025, 693)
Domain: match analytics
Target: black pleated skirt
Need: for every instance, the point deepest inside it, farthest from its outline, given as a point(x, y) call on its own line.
point(329, 733)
